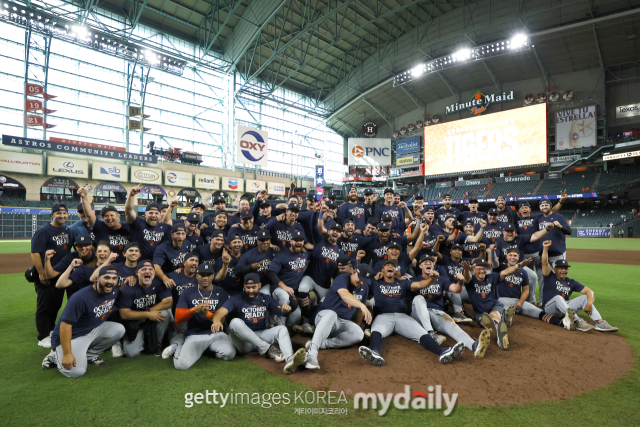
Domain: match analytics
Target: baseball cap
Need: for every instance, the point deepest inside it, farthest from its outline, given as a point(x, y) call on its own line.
point(394, 245)
point(218, 233)
point(311, 197)
point(347, 221)
point(446, 195)
point(265, 203)
point(373, 222)
point(492, 211)
point(343, 260)
point(232, 237)
point(390, 261)
point(219, 199)
point(513, 250)
point(419, 197)
point(79, 208)
point(153, 206)
point(480, 262)
point(331, 195)
point(251, 278)
point(297, 235)
point(293, 207)
point(205, 268)
point(336, 227)
point(388, 190)
point(384, 226)
point(178, 227)
point(525, 204)
point(500, 197)
point(386, 216)
point(143, 263)
point(164, 207)
point(108, 269)
point(131, 245)
point(424, 258)
point(199, 205)
point(469, 222)
point(82, 240)
point(331, 205)
point(544, 202)
point(365, 273)
point(367, 192)
point(221, 212)
point(193, 217)
point(561, 263)
point(428, 209)
point(474, 200)
point(245, 214)
point(509, 227)
point(108, 208)
point(59, 207)
point(263, 234)
point(191, 254)
point(457, 246)
point(353, 188)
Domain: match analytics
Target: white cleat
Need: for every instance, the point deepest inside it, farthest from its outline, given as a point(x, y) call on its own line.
point(116, 350)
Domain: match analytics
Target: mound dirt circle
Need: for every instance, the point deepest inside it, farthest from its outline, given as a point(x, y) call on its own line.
point(545, 363)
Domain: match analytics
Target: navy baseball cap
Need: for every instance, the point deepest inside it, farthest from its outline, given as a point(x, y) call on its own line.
point(251, 278)
point(384, 226)
point(297, 235)
point(509, 227)
point(474, 200)
point(336, 227)
point(311, 197)
point(232, 237)
point(367, 192)
point(331, 205)
point(199, 205)
point(178, 227)
point(373, 222)
point(205, 268)
point(59, 207)
point(144, 263)
point(79, 208)
point(153, 206)
point(447, 196)
point(245, 214)
point(343, 260)
point(218, 233)
point(428, 209)
point(432, 252)
point(193, 217)
point(388, 190)
point(525, 204)
point(561, 263)
point(108, 269)
point(221, 212)
point(394, 245)
point(469, 222)
point(293, 207)
point(480, 262)
point(492, 211)
point(219, 199)
point(419, 197)
point(108, 208)
point(263, 235)
point(82, 240)
point(265, 203)
point(131, 245)
point(457, 246)
point(544, 202)
point(365, 273)
point(191, 255)
point(386, 216)
point(390, 261)
point(346, 221)
point(424, 258)
point(331, 196)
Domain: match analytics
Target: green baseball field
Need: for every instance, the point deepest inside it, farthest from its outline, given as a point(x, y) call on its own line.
point(148, 391)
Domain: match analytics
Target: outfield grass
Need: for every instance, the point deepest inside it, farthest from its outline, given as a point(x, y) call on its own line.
point(148, 391)
point(603, 243)
point(15, 246)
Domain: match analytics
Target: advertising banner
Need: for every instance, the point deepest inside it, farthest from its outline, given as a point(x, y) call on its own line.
point(252, 185)
point(146, 175)
point(110, 171)
point(406, 146)
point(208, 182)
point(576, 128)
point(177, 178)
point(517, 178)
point(12, 161)
point(593, 232)
point(278, 188)
point(252, 146)
point(469, 182)
point(319, 180)
point(67, 167)
point(369, 152)
point(232, 184)
point(408, 161)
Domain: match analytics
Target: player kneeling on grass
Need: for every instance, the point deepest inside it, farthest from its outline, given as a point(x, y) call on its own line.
point(334, 328)
point(248, 328)
point(390, 296)
point(428, 309)
point(82, 332)
point(197, 306)
point(483, 292)
point(514, 292)
point(558, 288)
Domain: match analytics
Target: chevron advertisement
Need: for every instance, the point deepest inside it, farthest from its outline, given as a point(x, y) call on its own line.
point(369, 152)
point(252, 146)
point(511, 138)
point(232, 184)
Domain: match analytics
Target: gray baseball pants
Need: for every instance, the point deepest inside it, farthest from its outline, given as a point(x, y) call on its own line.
point(558, 307)
point(88, 347)
point(307, 284)
point(527, 309)
point(400, 323)
point(333, 332)
point(552, 261)
point(191, 349)
point(246, 340)
point(132, 349)
point(283, 298)
point(438, 320)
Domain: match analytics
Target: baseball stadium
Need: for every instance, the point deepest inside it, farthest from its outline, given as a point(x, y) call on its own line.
point(320, 212)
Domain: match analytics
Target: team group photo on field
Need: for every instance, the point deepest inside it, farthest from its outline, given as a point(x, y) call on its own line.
point(320, 212)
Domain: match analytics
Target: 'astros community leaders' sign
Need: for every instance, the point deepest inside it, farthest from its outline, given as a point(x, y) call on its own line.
point(17, 141)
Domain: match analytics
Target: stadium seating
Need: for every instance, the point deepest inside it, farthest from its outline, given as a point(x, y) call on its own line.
point(573, 183)
point(20, 202)
point(603, 216)
point(567, 214)
point(468, 192)
point(618, 175)
point(511, 189)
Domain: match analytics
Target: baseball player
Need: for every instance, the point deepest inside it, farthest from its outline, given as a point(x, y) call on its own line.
point(333, 321)
point(183, 279)
point(351, 242)
point(243, 205)
point(258, 260)
point(353, 210)
point(148, 232)
point(286, 271)
point(369, 203)
point(246, 229)
point(81, 227)
point(453, 267)
point(79, 274)
point(109, 228)
point(248, 328)
point(226, 266)
point(262, 210)
point(396, 213)
point(192, 224)
point(169, 256)
point(403, 259)
point(472, 214)
point(427, 308)
point(127, 267)
point(558, 288)
point(53, 235)
point(219, 203)
point(147, 300)
point(209, 252)
point(390, 296)
point(84, 252)
point(528, 224)
point(196, 307)
point(83, 332)
point(506, 215)
point(221, 223)
point(483, 293)
point(446, 210)
point(493, 229)
point(513, 291)
point(377, 249)
point(281, 231)
point(471, 249)
point(198, 209)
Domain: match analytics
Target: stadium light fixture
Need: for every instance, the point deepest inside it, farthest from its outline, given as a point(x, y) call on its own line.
point(517, 43)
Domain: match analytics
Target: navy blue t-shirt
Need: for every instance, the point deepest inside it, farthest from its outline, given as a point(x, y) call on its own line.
point(355, 211)
point(249, 237)
point(434, 293)
point(474, 217)
point(334, 302)
point(81, 275)
point(86, 310)
point(253, 256)
point(398, 225)
point(324, 259)
point(369, 210)
point(508, 216)
point(170, 258)
point(182, 284)
point(195, 241)
point(66, 261)
point(493, 232)
point(471, 251)
point(137, 298)
point(231, 283)
point(511, 286)
point(376, 250)
point(290, 267)
point(442, 213)
point(452, 268)
point(556, 235)
point(309, 220)
point(354, 244)
point(206, 255)
point(253, 311)
point(198, 324)
point(208, 232)
point(526, 227)
point(483, 293)
point(554, 286)
point(519, 242)
point(124, 272)
point(50, 237)
point(391, 297)
point(118, 239)
point(149, 238)
point(281, 232)
point(404, 262)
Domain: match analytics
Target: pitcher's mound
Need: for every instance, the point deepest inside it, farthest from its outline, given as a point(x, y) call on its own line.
point(545, 362)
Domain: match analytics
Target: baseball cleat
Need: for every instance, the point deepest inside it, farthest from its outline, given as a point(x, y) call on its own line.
point(97, 361)
point(307, 346)
point(583, 326)
point(367, 354)
point(297, 329)
point(440, 339)
point(488, 323)
point(307, 328)
point(294, 361)
point(275, 353)
point(480, 346)
point(45, 342)
point(116, 350)
point(604, 326)
point(312, 363)
point(508, 315)
point(461, 318)
point(503, 336)
point(449, 353)
point(166, 353)
point(367, 333)
point(50, 361)
point(567, 320)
